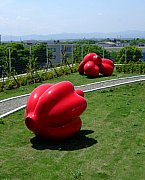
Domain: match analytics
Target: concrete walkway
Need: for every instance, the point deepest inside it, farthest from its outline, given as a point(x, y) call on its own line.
point(14, 104)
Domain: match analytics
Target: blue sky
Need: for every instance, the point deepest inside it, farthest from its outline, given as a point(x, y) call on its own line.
point(24, 17)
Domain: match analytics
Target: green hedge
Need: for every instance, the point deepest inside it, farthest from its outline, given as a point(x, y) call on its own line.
point(131, 68)
point(36, 77)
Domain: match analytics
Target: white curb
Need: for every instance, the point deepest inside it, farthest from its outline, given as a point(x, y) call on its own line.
point(8, 99)
point(14, 110)
point(21, 107)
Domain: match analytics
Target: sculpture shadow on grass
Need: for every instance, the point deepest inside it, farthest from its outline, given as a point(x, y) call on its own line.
point(79, 141)
point(91, 77)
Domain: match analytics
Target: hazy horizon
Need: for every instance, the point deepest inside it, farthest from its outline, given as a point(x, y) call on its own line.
point(117, 32)
point(44, 17)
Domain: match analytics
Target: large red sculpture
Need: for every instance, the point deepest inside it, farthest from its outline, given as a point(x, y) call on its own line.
point(53, 110)
point(93, 64)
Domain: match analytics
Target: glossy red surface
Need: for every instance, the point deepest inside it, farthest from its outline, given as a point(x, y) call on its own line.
point(93, 64)
point(53, 110)
point(91, 69)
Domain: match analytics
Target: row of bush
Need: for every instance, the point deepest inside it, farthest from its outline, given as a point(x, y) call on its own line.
point(39, 76)
point(131, 68)
point(36, 77)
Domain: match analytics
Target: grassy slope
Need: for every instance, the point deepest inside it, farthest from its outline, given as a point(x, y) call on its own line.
point(111, 144)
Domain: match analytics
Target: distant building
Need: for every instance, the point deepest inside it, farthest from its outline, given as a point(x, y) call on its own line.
point(141, 44)
point(143, 55)
point(106, 44)
point(113, 44)
point(58, 50)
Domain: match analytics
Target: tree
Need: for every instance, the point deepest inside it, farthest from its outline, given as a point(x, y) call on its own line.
point(1, 59)
point(136, 42)
point(40, 52)
point(77, 53)
point(19, 56)
point(96, 49)
point(81, 50)
point(129, 54)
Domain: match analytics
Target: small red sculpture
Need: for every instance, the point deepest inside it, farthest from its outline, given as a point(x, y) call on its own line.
point(53, 110)
point(93, 64)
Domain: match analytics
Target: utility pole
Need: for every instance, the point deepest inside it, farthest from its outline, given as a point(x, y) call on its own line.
point(47, 56)
point(103, 51)
point(82, 51)
point(125, 56)
point(72, 54)
point(9, 52)
point(60, 54)
point(30, 51)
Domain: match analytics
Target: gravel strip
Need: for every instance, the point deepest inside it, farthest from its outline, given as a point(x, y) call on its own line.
point(11, 104)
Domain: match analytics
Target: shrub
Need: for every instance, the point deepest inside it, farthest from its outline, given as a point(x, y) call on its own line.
point(131, 68)
point(10, 84)
point(36, 77)
point(1, 86)
point(23, 81)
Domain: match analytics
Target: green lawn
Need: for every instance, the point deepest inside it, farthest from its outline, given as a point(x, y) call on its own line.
point(75, 78)
point(111, 144)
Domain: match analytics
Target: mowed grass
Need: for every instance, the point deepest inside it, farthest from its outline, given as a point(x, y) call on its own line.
point(75, 78)
point(110, 145)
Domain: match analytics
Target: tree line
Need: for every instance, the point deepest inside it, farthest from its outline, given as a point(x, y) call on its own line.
point(27, 57)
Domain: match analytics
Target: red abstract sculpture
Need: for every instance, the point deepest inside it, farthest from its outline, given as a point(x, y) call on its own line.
point(53, 110)
point(107, 67)
point(93, 64)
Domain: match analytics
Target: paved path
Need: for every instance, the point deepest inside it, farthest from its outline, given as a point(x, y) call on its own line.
point(11, 105)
